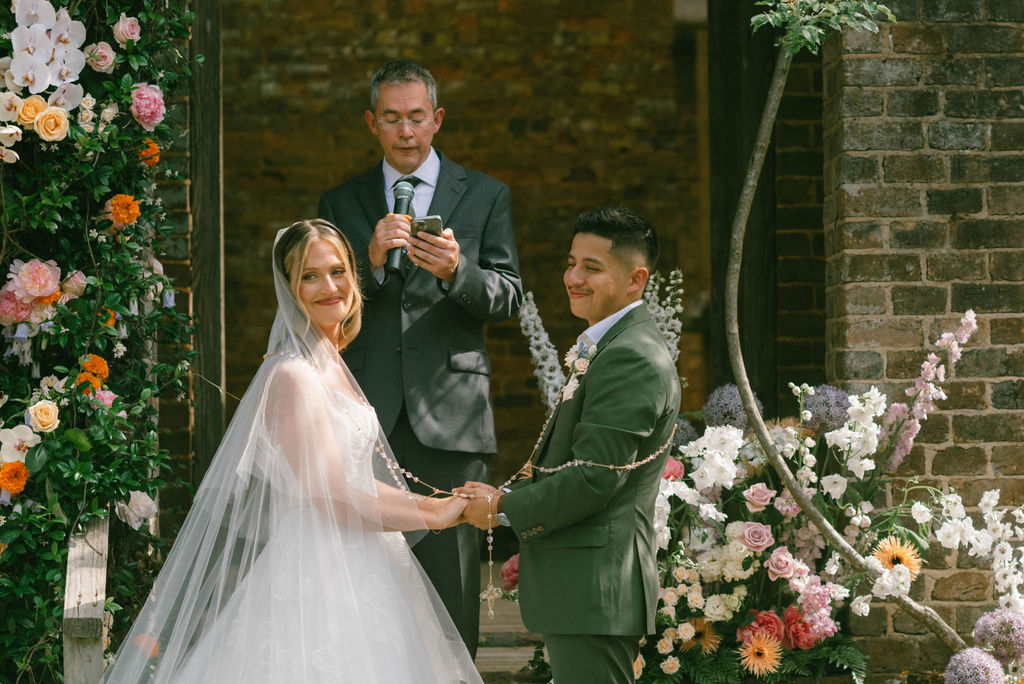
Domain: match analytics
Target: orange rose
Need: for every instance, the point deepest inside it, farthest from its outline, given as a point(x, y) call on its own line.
point(51, 124)
point(96, 365)
point(30, 109)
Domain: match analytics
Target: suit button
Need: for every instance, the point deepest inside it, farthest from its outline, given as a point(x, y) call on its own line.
point(466, 298)
point(406, 305)
point(398, 349)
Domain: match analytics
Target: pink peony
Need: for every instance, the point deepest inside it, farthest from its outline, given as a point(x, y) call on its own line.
point(127, 28)
point(758, 496)
point(510, 572)
point(674, 469)
point(765, 621)
point(798, 633)
point(756, 537)
point(12, 309)
point(106, 397)
point(148, 105)
point(34, 279)
point(100, 57)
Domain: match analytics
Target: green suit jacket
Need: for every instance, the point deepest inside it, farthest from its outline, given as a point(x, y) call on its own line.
point(587, 554)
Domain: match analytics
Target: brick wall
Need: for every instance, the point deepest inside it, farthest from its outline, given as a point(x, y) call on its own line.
point(924, 152)
point(571, 105)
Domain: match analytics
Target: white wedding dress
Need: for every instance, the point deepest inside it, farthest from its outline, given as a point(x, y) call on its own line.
point(285, 570)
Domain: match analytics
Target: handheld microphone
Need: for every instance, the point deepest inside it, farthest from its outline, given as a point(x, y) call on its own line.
point(404, 192)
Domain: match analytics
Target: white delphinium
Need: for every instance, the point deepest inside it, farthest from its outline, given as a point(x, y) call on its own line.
point(666, 312)
point(858, 438)
point(713, 457)
point(920, 513)
point(542, 352)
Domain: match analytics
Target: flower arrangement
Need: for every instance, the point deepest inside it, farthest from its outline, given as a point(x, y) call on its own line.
point(83, 302)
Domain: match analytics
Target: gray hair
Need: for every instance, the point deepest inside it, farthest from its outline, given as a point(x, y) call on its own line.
point(402, 71)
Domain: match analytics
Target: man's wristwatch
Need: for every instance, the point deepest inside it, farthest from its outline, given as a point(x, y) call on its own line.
point(501, 517)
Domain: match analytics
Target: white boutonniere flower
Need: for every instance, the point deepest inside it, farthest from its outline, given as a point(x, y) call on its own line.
point(577, 360)
point(570, 388)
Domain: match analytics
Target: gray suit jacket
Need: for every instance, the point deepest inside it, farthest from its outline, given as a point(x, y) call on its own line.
point(419, 344)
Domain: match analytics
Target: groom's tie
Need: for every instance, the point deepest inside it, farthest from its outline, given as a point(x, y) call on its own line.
point(406, 264)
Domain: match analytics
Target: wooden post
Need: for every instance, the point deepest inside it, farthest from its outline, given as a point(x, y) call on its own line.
point(84, 597)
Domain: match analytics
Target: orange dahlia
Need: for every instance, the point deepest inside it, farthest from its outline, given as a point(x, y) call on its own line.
point(97, 366)
point(150, 154)
point(87, 377)
point(124, 209)
point(705, 635)
point(761, 656)
point(893, 551)
point(13, 476)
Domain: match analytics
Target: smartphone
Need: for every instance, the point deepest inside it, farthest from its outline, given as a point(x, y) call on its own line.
point(430, 224)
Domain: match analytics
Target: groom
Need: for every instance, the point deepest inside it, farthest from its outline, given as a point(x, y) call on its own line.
point(587, 570)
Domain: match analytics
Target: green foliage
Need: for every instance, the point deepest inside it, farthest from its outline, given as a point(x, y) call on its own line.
point(52, 209)
point(805, 24)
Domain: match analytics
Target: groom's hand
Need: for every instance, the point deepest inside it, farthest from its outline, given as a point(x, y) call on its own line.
point(480, 512)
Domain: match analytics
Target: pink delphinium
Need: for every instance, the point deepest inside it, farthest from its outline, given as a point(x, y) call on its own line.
point(510, 572)
point(758, 496)
point(674, 469)
point(765, 621)
point(148, 105)
point(816, 607)
point(34, 279)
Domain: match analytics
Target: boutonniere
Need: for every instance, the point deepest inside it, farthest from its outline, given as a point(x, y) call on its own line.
point(577, 360)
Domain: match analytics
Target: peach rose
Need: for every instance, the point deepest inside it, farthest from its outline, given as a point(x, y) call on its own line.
point(127, 28)
point(31, 107)
point(52, 124)
point(43, 416)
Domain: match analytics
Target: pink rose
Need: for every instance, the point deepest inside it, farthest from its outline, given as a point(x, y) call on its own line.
point(756, 537)
point(758, 496)
point(12, 309)
point(510, 572)
point(781, 564)
point(674, 469)
point(148, 105)
point(798, 632)
point(100, 57)
point(127, 28)
point(765, 621)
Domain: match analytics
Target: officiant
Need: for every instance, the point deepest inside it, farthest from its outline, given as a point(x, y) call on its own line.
point(420, 357)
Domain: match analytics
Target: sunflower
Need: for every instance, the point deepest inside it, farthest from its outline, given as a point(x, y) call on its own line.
point(893, 551)
point(761, 656)
point(13, 476)
point(705, 635)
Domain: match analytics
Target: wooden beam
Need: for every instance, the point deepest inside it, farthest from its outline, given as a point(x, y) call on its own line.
point(206, 200)
point(85, 595)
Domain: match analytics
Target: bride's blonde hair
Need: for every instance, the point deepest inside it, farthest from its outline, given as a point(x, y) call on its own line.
point(290, 257)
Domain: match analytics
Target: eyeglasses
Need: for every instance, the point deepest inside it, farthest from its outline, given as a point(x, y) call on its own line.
point(414, 124)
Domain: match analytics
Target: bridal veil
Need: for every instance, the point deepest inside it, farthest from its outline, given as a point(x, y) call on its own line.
point(288, 567)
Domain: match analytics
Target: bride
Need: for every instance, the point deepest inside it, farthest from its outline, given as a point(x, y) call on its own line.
point(291, 565)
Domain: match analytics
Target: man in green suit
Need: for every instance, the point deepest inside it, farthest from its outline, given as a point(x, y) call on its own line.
point(587, 568)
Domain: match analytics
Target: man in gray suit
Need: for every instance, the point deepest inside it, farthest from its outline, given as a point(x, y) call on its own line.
point(420, 357)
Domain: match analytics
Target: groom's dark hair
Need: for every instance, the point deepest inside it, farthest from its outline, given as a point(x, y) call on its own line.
point(631, 234)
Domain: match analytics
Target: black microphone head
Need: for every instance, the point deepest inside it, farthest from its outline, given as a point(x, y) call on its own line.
point(404, 190)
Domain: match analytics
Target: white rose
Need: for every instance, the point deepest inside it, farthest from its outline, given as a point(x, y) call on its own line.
point(139, 508)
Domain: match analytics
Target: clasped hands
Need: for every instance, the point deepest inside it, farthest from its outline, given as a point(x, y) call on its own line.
point(437, 254)
point(470, 503)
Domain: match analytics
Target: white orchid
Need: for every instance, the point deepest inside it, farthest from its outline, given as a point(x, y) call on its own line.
point(16, 442)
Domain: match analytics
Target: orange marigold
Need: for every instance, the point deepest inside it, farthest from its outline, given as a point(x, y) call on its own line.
point(124, 209)
point(13, 476)
point(150, 154)
point(86, 377)
point(97, 366)
point(50, 298)
point(107, 316)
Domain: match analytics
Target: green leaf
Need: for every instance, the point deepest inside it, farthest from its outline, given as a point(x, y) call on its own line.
point(36, 459)
point(77, 439)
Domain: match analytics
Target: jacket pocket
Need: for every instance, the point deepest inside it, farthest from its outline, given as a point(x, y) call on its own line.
point(579, 535)
point(468, 361)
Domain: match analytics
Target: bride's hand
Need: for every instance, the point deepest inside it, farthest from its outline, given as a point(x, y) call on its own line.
point(444, 513)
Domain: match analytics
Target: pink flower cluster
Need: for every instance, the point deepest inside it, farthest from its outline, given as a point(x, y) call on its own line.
point(815, 601)
point(901, 422)
point(32, 288)
point(148, 105)
point(510, 572)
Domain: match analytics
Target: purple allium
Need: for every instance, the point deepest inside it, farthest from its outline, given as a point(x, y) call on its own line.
point(1001, 633)
point(724, 407)
point(685, 433)
point(974, 666)
point(828, 406)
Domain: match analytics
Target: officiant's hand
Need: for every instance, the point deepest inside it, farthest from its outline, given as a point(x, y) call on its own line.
point(438, 254)
point(391, 232)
